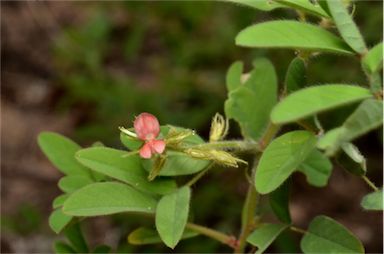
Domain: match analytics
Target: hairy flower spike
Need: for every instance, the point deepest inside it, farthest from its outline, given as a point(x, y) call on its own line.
point(175, 137)
point(219, 128)
point(147, 128)
point(220, 157)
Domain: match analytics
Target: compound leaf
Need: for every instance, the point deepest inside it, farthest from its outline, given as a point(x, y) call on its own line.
point(291, 34)
point(250, 104)
point(329, 236)
point(373, 201)
point(312, 100)
point(347, 28)
point(281, 158)
point(264, 235)
point(172, 215)
point(108, 198)
point(122, 166)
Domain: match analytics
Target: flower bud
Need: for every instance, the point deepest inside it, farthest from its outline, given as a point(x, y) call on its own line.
point(219, 128)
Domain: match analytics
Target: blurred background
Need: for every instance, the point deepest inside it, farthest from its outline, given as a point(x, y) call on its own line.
point(84, 68)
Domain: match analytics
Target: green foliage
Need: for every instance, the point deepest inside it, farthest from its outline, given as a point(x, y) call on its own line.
point(178, 163)
point(317, 167)
point(144, 235)
point(263, 5)
point(70, 184)
point(58, 220)
point(233, 78)
point(295, 78)
point(373, 201)
point(76, 238)
point(63, 248)
point(329, 236)
point(59, 201)
point(61, 152)
point(291, 34)
point(373, 60)
point(108, 198)
point(306, 6)
point(102, 249)
point(367, 116)
point(279, 202)
point(89, 185)
point(124, 167)
point(251, 103)
point(286, 153)
point(313, 100)
point(347, 28)
point(264, 235)
point(172, 215)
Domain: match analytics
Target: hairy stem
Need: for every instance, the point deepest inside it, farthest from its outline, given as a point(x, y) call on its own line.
point(298, 230)
point(236, 145)
point(214, 234)
point(248, 215)
point(252, 199)
point(370, 183)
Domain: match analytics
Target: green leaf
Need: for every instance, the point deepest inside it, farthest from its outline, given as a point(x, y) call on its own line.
point(144, 235)
point(59, 201)
point(373, 60)
point(317, 168)
point(281, 158)
point(312, 100)
point(345, 162)
point(279, 201)
point(373, 201)
point(263, 5)
point(233, 78)
point(63, 248)
point(295, 77)
point(122, 166)
point(264, 235)
point(324, 6)
point(368, 116)
point(172, 215)
point(347, 28)
point(291, 34)
point(61, 152)
point(132, 144)
point(329, 236)
point(251, 103)
point(108, 198)
point(102, 249)
point(58, 220)
point(70, 184)
point(305, 6)
point(354, 153)
point(177, 163)
point(76, 238)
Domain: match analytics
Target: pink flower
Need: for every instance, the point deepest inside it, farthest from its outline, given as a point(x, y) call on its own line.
point(147, 128)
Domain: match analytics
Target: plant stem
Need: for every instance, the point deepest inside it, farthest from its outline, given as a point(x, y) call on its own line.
point(221, 237)
point(371, 184)
point(298, 230)
point(237, 145)
point(248, 214)
point(251, 201)
point(268, 136)
point(214, 234)
point(198, 176)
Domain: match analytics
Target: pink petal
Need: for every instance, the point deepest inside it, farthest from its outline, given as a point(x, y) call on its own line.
point(158, 145)
point(147, 126)
point(146, 151)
